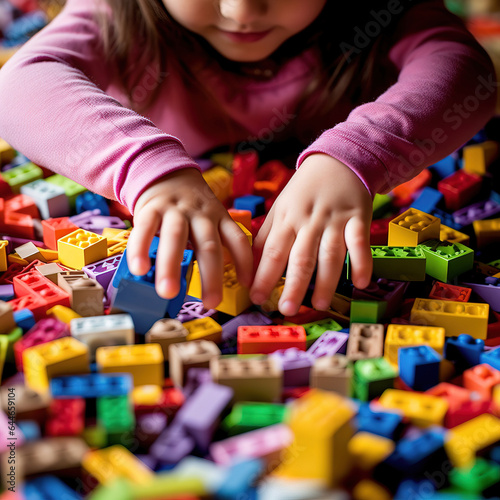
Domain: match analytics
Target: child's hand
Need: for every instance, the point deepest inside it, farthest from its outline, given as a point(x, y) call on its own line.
point(323, 209)
point(183, 206)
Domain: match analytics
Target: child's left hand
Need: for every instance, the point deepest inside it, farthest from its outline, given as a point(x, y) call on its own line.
point(323, 209)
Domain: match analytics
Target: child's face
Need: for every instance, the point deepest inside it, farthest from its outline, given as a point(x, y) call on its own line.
point(245, 30)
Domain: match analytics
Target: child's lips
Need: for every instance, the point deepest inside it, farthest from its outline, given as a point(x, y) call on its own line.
point(245, 36)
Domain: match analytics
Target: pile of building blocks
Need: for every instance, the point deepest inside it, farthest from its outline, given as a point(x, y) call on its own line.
point(110, 391)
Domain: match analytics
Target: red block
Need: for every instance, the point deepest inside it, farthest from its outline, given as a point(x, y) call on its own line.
point(13, 270)
point(454, 395)
point(22, 204)
point(267, 339)
point(171, 400)
point(32, 302)
point(33, 283)
point(459, 188)
point(244, 167)
point(379, 232)
point(404, 193)
point(66, 417)
point(481, 378)
point(4, 188)
point(443, 291)
point(467, 411)
point(272, 177)
point(53, 229)
point(20, 225)
point(118, 210)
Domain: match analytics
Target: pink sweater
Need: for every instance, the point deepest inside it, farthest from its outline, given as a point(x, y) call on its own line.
point(62, 107)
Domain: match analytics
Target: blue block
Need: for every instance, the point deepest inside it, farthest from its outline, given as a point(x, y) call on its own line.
point(447, 219)
point(239, 479)
point(465, 351)
point(123, 271)
point(49, 488)
point(419, 367)
point(22, 29)
point(381, 423)
point(494, 454)
point(444, 167)
point(90, 201)
point(93, 385)
point(30, 429)
point(492, 358)
point(25, 319)
point(428, 200)
point(412, 488)
point(251, 202)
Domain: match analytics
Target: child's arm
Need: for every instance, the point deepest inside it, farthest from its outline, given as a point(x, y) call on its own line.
point(446, 91)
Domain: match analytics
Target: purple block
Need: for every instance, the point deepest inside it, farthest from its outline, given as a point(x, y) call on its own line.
point(148, 461)
point(199, 415)
point(172, 445)
point(390, 291)
point(149, 426)
point(103, 270)
point(296, 366)
point(328, 344)
point(204, 163)
point(97, 223)
point(254, 318)
point(477, 211)
point(194, 310)
point(489, 291)
point(194, 378)
point(6, 292)
point(84, 217)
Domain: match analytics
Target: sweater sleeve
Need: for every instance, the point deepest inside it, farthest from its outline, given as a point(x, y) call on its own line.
point(445, 92)
point(54, 110)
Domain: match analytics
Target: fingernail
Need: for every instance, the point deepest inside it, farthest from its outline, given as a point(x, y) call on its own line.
point(166, 288)
point(135, 267)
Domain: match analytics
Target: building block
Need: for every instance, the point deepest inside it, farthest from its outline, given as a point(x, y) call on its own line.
point(482, 379)
point(455, 317)
point(391, 292)
point(328, 344)
point(66, 417)
point(54, 229)
point(371, 377)
point(478, 157)
point(85, 295)
point(267, 443)
point(116, 413)
point(81, 248)
point(465, 351)
point(267, 339)
point(376, 421)
point(428, 199)
point(296, 365)
point(63, 313)
point(220, 181)
point(404, 193)
point(411, 228)
point(103, 270)
point(453, 235)
point(115, 462)
point(240, 479)
point(175, 304)
point(368, 449)
point(491, 358)
point(444, 291)
point(322, 426)
point(481, 478)
point(98, 331)
point(203, 328)
point(7, 322)
point(92, 385)
point(252, 379)
point(7, 153)
point(36, 305)
point(367, 311)
point(487, 232)
point(3, 255)
point(48, 488)
point(315, 329)
point(332, 373)
point(143, 361)
point(459, 188)
point(419, 367)
point(21, 175)
point(246, 417)
point(365, 341)
point(250, 202)
point(271, 178)
point(71, 188)
point(244, 167)
point(466, 440)
point(455, 396)
point(33, 283)
point(165, 332)
point(186, 355)
point(49, 271)
point(117, 244)
point(379, 231)
point(423, 410)
point(50, 199)
point(476, 211)
point(399, 336)
point(398, 263)
point(62, 356)
point(91, 201)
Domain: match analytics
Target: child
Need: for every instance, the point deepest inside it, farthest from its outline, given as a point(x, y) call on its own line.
point(120, 95)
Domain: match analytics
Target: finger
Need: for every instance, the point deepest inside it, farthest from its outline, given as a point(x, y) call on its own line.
point(272, 264)
point(173, 240)
point(301, 264)
point(357, 237)
point(235, 240)
point(331, 256)
point(208, 248)
point(146, 224)
point(260, 240)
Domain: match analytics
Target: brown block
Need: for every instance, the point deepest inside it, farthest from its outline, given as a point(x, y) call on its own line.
point(332, 373)
point(165, 332)
point(85, 294)
point(365, 341)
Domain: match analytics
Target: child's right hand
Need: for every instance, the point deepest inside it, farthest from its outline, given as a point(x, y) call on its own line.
point(182, 206)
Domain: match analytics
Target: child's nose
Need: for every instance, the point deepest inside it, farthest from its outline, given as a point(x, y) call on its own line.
point(243, 12)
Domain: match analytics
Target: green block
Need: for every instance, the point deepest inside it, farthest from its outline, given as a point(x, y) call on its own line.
point(21, 175)
point(446, 260)
point(315, 329)
point(398, 263)
point(71, 188)
point(382, 203)
point(481, 477)
point(495, 263)
point(371, 377)
point(4, 344)
point(245, 417)
point(12, 337)
point(164, 485)
point(119, 489)
point(95, 437)
point(115, 414)
point(367, 311)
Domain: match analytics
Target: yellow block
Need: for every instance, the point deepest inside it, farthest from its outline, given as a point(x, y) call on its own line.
point(115, 462)
point(322, 426)
point(203, 328)
point(80, 248)
point(220, 182)
point(466, 439)
point(48, 255)
point(3, 255)
point(399, 336)
point(453, 236)
point(64, 356)
point(63, 313)
point(413, 227)
point(496, 400)
point(477, 157)
point(368, 450)
point(487, 231)
point(143, 361)
point(13, 258)
point(117, 242)
point(7, 152)
point(271, 304)
point(367, 489)
point(422, 409)
point(147, 395)
point(454, 316)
